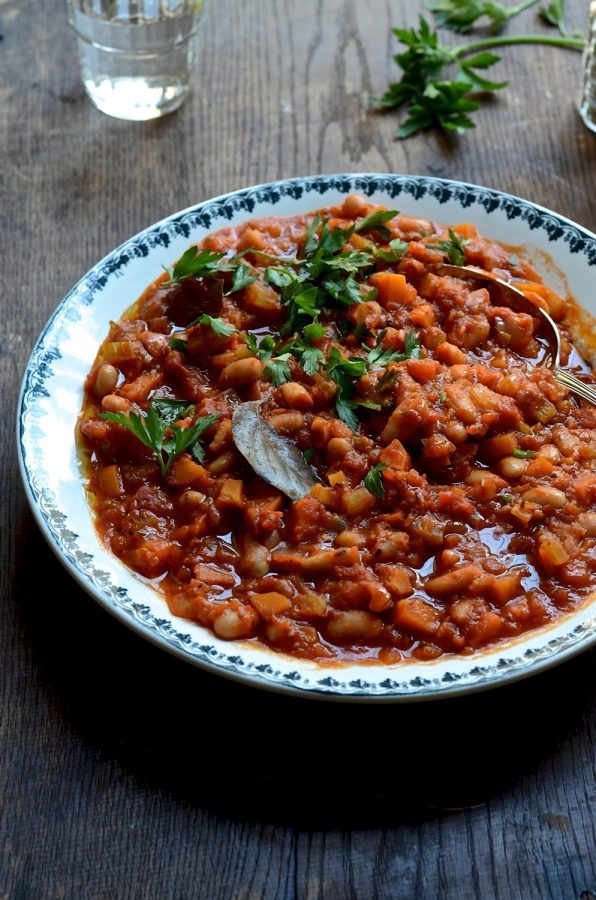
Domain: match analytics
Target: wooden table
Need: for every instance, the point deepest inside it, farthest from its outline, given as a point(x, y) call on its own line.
point(127, 773)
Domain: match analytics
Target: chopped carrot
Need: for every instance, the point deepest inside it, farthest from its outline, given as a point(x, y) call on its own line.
point(416, 616)
point(393, 288)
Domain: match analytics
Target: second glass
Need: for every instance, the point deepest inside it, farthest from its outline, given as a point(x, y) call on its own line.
point(136, 55)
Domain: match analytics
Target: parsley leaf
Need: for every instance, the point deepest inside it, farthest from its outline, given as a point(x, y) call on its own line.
point(177, 343)
point(243, 276)
point(276, 370)
point(195, 263)
point(411, 345)
point(375, 221)
point(454, 248)
point(523, 454)
point(156, 429)
point(397, 248)
point(460, 15)
point(341, 371)
point(218, 326)
point(379, 358)
point(373, 481)
point(326, 275)
point(554, 14)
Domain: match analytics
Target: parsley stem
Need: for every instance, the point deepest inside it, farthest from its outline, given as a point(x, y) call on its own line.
point(507, 40)
point(516, 10)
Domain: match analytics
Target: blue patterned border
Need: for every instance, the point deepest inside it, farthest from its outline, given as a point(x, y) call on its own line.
point(278, 675)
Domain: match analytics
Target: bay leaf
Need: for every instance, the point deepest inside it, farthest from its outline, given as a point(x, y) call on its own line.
point(275, 458)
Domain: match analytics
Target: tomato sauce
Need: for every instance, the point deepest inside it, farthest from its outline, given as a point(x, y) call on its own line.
point(453, 505)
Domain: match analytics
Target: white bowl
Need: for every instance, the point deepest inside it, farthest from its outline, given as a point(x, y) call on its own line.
point(51, 398)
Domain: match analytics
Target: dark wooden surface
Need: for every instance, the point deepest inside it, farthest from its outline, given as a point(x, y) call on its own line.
point(126, 773)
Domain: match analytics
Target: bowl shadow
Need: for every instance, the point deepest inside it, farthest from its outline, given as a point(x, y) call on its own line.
point(262, 756)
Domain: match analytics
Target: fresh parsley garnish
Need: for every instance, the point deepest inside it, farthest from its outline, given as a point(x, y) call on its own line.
point(554, 14)
point(243, 276)
point(375, 221)
point(195, 263)
point(157, 430)
point(310, 358)
point(396, 250)
point(523, 454)
point(308, 453)
point(218, 326)
point(373, 481)
point(341, 371)
point(454, 248)
point(431, 99)
point(276, 370)
point(460, 15)
point(325, 275)
point(378, 358)
point(177, 343)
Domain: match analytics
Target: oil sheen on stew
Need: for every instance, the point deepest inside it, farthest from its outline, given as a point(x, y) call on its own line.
point(453, 497)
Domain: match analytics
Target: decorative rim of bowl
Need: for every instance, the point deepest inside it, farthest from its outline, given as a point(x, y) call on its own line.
point(493, 667)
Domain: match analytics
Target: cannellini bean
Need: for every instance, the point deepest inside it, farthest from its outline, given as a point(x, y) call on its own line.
point(255, 558)
point(354, 623)
point(549, 452)
point(484, 398)
point(296, 396)
point(241, 372)
point(286, 420)
point(320, 561)
point(191, 500)
point(454, 581)
point(106, 380)
point(512, 467)
point(461, 403)
point(587, 520)
point(544, 495)
point(337, 449)
point(115, 404)
point(222, 463)
point(455, 431)
point(234, 623)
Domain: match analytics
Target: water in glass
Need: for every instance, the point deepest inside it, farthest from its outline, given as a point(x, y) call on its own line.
point(136, 55)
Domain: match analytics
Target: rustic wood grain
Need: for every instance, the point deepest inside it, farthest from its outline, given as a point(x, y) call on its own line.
point(126, 773)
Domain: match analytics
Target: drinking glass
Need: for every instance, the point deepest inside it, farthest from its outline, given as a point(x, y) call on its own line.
point(136, 55)
point(587, 102)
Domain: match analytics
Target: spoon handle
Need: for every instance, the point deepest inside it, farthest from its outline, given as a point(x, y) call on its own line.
point(575, 385)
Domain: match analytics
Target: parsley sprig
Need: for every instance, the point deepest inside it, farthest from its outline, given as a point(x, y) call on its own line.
point(379, 358)
point(373, 481)
point(375, 221)
point(157, 430)
point(195, 263)
point(342, 371)
point(308, 355)
point(454, 248)
point(460, 15)
point(276, 368)
point(431, 98)
point(554, 14)
point(217, 325)
point(325, 275)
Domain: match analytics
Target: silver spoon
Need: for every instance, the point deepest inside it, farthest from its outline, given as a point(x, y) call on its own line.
point(518, 299)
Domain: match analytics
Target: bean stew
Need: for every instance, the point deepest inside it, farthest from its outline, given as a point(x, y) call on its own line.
point(305, 437)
